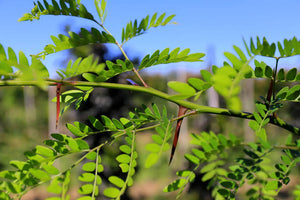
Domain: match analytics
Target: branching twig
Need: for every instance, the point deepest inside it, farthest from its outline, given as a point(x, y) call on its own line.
point(196, 108)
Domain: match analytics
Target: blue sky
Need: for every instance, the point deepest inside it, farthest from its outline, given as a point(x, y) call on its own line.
point(202, 25)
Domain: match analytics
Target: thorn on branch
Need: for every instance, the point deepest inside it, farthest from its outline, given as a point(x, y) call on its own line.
point(182, 110)
point(58, 87)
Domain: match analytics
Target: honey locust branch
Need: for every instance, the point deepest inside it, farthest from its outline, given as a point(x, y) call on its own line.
point(196, 108)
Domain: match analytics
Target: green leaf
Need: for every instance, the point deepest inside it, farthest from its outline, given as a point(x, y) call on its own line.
point(23, 60)
point(158, 139)
point(281, 75)
point(151, 160)
point(12, 55)
point(118, 124)
point(175, 185)
point(282, 93)
point(199, 84)
point(281, 51)
point(108, 123)
point(258, 72)
point(286, 180)
point(45, 151)
point(125, 148)
point(91, 155)
point(206, 75)
point(251, 154)
point(208, 175)
point(286, 159)
point(74, 130)
point(223, 192)
point(70, 96)
point(116, 181)
point(39, 174)
point(82, 127)
point(273, 185)
point(133, 29)
point(21, 165)
point(68, 8)
point(89, 166)
point(242, 56)
point(291, 74)
point(192, 158)
point(209, 167)
point(96, 123)
point(237, 63)
point(199, 154)
point(86, 189)
point(123, 158)
point(72, 40)
point(50, 169)
point(111, 192)
point(86, 177)
point(54, 187)
point(100, 169)
point(228, 184)
point(261, 133)
point(82, 145)
point(124, 167)
point(182, 88)
point(83, 65)
point(173, 57)
point(101, 9)
point(293, 93)
point(268, 71)
point(253, 125)
point(153, 147)
point(235, 176)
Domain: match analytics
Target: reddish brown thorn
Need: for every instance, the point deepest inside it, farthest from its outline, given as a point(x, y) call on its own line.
point(58, 87)
point(182, 110)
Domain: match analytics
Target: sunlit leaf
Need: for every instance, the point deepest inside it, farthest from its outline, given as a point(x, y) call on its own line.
point(111, 192)
point(175, 185)
point(116, 181)
point(182, 88)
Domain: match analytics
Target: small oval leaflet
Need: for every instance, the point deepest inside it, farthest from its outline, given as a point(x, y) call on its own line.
point(111, 192)
point(116, 181)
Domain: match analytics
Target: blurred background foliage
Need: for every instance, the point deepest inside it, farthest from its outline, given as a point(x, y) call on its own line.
point(26, 120)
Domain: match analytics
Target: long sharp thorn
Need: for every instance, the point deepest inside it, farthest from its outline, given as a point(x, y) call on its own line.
point(182, 110)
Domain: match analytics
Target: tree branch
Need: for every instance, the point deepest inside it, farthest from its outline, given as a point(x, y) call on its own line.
point(196, 108)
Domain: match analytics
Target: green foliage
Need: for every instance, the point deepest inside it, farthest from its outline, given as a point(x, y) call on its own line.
point(134, 29)
point(226, 80)
point(127, 163)
point(165, 57)
point(226, 162)
point(113, 69)
point(262, 47)
point(76, 97)
point(25, 71)
point(72, 40)
point(160, 139)
point(80, 66)
point(101, 9)
point(208, 159)
point(68, 8)
point(262, 119)
point(184, 89)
